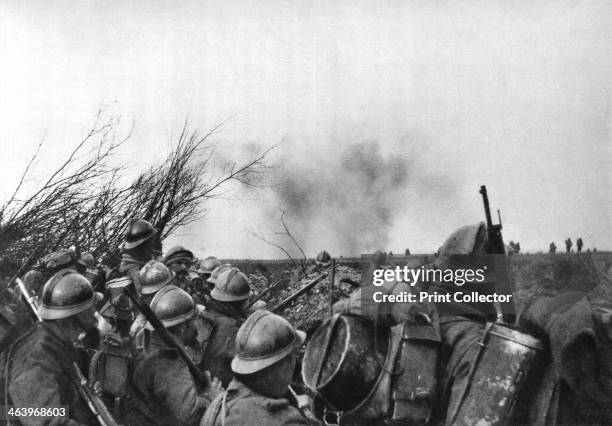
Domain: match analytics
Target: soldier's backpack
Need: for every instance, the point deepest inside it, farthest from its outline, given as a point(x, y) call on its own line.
point(111, 366)
point(366, 375)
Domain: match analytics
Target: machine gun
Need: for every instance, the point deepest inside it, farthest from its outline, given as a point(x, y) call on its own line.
point(495, 243)
point(497, 248)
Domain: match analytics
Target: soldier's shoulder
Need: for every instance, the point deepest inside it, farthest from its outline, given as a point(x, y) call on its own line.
point(221, 318)
point(159, 361)
point(169, 354)
point(159, 365)
point(37, 346)
point(262, 410)
point(35, 337)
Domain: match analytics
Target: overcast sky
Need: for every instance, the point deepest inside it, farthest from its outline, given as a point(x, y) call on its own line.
point(514, 95)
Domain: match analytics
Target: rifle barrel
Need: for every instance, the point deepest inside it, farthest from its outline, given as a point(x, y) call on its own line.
point(260, 295)
point(485, 200)
point(299, 292)
point(95, 404)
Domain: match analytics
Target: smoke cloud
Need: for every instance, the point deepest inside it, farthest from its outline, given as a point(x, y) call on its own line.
point(347, 202)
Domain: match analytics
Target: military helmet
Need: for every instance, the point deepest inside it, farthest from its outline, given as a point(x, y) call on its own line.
point(153, 276)
point(138, 232)
point(263, 339)
point(461, 247)
point(217, 271)
point(58, 260)
point(67, 293)
point(87, 260)
point(172, 306)
point(178, 253)
point(208, 265)
point(231, 285)
point(323, 259)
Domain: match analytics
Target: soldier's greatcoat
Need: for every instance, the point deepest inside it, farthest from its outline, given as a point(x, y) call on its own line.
point(222, 324)
point(165, 386)
point(41, 374)
point(240, 406)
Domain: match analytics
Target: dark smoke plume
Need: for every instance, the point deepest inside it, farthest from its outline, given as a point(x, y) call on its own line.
point(348, 201)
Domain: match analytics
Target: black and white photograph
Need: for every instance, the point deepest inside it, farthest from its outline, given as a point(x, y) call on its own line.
point(301, 212)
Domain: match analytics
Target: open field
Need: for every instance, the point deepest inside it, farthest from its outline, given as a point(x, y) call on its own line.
point(532, 274)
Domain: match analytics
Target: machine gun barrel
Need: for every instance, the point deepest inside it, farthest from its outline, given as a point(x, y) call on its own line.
point(496, 246)
point(496, 241)
point(485, 201)
point(299, 292)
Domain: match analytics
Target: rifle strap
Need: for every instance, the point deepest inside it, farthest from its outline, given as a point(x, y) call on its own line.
point(415, 386)
point(481, 343)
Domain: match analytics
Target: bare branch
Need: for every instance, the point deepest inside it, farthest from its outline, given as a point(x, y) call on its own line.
point(273, 244)
point(290, 235)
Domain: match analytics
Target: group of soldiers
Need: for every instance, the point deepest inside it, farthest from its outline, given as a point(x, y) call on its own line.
point(83, 322)
point(552, 248)
point(168, 340)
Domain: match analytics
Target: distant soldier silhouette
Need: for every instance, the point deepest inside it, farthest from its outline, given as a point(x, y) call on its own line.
point(517, 247)
point(552, 247)
point(407, 252)
point(579, 245)
point(568, 245)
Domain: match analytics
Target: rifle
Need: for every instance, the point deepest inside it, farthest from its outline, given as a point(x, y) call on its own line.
point(94, 402)
point(496, 247)
point(260, 295)
point(30, 301)
point(299, 292)
point(128, 287)
point(331, 288)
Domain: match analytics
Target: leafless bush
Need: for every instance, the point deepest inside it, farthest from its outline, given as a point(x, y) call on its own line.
point(87, 203)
